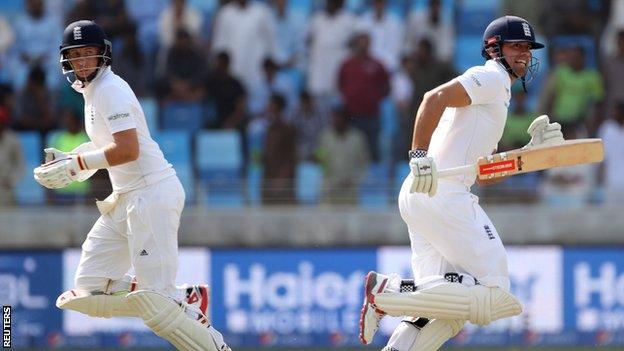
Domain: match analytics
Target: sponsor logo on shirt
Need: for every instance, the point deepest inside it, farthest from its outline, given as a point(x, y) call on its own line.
point(474, 79)
point(118, 116)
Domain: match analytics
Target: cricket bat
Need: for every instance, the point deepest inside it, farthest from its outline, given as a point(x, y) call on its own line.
point(568, 153)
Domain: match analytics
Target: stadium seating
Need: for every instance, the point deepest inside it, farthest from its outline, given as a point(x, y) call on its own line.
point(27, 191)
point(182, 115)
point(374, 187)
point(176, 146)
point(308, 183)
point(219, 161)
point(150, 110)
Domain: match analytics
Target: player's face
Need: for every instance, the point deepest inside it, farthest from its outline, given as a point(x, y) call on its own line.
point(518, 56)
point(84, 60)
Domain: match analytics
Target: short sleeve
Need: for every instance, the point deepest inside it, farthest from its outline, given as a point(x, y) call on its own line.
point(116, 107)
point(482, 85)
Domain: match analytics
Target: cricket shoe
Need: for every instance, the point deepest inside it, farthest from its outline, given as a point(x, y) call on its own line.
point(370, 315)
point(197, 296)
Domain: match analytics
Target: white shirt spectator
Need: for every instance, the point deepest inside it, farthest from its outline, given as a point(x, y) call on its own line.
point(36, 38)
point(387, 37)
point(247, 34)
point(290, 37)
point(329, 37)
point(442, 34)
point(191, 22)
point(402, 87)
point(612, 135)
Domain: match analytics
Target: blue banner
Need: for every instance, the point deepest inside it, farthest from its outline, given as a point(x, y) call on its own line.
point(289, 297)
point(30, 281)
point(594, 289)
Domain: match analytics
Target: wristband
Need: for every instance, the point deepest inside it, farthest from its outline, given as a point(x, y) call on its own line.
point(95, 159)
point(417, 153)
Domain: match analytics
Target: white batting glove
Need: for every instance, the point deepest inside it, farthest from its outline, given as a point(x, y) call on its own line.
point(543, 132)
point(425, 176)
point(58, 173)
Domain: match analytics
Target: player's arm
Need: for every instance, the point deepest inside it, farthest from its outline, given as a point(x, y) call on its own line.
point(423, 169)
point(450, 94)
point(123, 149)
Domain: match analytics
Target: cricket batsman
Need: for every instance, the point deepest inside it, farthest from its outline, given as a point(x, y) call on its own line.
point(139, 221)
point(458, 260)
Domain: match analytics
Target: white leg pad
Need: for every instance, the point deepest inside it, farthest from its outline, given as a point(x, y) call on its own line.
point(98, 305)
point(169, 321)
point(478, 304)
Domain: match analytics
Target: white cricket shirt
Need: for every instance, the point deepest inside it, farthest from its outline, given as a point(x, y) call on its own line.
point(467, 133)
point(111, 107)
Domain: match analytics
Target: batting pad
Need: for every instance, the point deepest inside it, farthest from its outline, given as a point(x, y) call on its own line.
point(168, 320)
point(98, 305)
point(478, 304)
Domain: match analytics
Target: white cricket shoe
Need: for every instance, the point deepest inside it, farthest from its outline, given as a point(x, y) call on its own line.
point(370, 315)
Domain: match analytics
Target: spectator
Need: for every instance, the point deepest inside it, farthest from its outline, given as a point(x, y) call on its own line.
point(112, 16)
point(289, 35)
point(279, 156)
point(613, 73)
point(387, 35)
point(34, 104)
point(245, 31)
point(37, 35)
point(581, 17)
point(343, 153)
point(185, 70)
point(130, 63)
point(273, 82)
point(227, 95)
point(431, 24)
point(428, 73)
point(179, 15)
point(612, 133)
point(309, 123)
point(11, 157)
point(6, 41)
point(364, 82)
point(71, 136)
point(572, 89)
point(328, 36)
point(402, 93)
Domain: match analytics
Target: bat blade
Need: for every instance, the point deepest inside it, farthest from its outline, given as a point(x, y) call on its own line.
point(568, 153)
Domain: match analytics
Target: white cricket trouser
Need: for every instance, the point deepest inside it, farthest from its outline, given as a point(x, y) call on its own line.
point(451, 233)
point(141, 231)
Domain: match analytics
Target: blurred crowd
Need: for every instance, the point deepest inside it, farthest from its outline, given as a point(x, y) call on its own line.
point(331, 84)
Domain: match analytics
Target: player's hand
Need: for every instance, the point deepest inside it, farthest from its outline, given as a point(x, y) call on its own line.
point(52, 154)
point(425, 175)
point(58, 173)
point(543, 132)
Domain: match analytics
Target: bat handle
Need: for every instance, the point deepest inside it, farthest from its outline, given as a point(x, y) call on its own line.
point(468, 170)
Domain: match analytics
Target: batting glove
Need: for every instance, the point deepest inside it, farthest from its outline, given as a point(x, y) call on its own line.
point(58, 173)
point(425, 176)
point(543, 132)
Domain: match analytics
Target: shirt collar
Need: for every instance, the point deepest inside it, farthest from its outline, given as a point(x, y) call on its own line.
point(499, 66)
point(80, 87)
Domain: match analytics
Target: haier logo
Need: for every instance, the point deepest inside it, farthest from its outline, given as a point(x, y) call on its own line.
point(289, 292)
point(595, 293)
point(286, 290)
point(599, 296)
